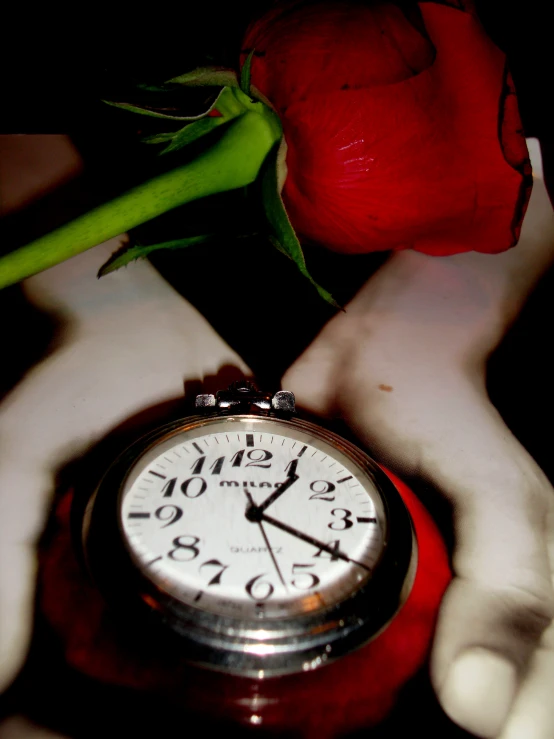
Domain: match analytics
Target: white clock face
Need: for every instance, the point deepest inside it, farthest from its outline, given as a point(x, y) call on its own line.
point(253, 519)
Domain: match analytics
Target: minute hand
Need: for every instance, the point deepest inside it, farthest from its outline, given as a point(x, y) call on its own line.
point(310, 540)
point(277, 493)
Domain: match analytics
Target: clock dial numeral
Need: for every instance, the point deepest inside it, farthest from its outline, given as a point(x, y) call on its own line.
point(259, 590)
point(169, 487)
point(183, 544)
point(291, 467)
point(344, 522)
point(321, 490)
point(168, 514)
point(216, 579)
point(191, 489)
point(300, 581)
point(236, 459)
point(217, 465)
point(334, 546)
point(257, 458)
point(197, 466)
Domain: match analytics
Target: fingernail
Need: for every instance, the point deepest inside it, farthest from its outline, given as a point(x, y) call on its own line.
point(479, 690)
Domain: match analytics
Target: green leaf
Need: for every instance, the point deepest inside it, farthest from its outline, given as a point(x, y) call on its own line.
point(223, 100)
point(246, 74)
point(193, 131)
point(160, 138)
point(150, 88)
point(217, 77)
point(229, 106)
point(139, 251)
point(283, 234)
point(144, 111)
point(206, 77)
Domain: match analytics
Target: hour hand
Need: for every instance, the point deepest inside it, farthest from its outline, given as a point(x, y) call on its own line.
point(277, 493)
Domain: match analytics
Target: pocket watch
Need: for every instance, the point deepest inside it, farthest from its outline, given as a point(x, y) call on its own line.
point(259, 543)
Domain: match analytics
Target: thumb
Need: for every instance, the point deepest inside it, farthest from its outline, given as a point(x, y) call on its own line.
point(498, 606)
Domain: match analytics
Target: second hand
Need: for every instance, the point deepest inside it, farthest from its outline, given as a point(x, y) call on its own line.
point(268, 545)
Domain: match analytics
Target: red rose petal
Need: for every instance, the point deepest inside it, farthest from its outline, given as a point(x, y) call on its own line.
point(415, 164)
point(466, 6)
point(301, 50)
point(512, 140)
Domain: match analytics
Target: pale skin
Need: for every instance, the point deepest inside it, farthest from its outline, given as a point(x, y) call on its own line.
point(404, 367)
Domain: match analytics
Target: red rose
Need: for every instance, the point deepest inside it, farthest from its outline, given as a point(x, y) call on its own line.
point(403, 132)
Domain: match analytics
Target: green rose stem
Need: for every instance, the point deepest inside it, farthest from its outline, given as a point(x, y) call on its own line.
point(233, 162)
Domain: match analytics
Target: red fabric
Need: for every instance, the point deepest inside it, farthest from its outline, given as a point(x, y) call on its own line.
point(402, 132)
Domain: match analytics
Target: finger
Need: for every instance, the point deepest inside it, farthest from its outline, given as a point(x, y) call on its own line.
point(501, 600)
point(532, 716)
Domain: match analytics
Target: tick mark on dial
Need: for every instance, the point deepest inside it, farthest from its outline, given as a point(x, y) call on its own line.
point(153, 561)
point(345, 479)
point(198, 448)
point(249, 439)
point(301, 452)
point(364, 519)
point(138, 515)
point(157, 474)
point(199, 594)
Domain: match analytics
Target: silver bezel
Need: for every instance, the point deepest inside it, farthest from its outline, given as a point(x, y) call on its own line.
point(240, 646)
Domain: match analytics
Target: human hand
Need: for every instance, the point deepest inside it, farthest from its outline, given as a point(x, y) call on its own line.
point(405, 368)
point(126, 343)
